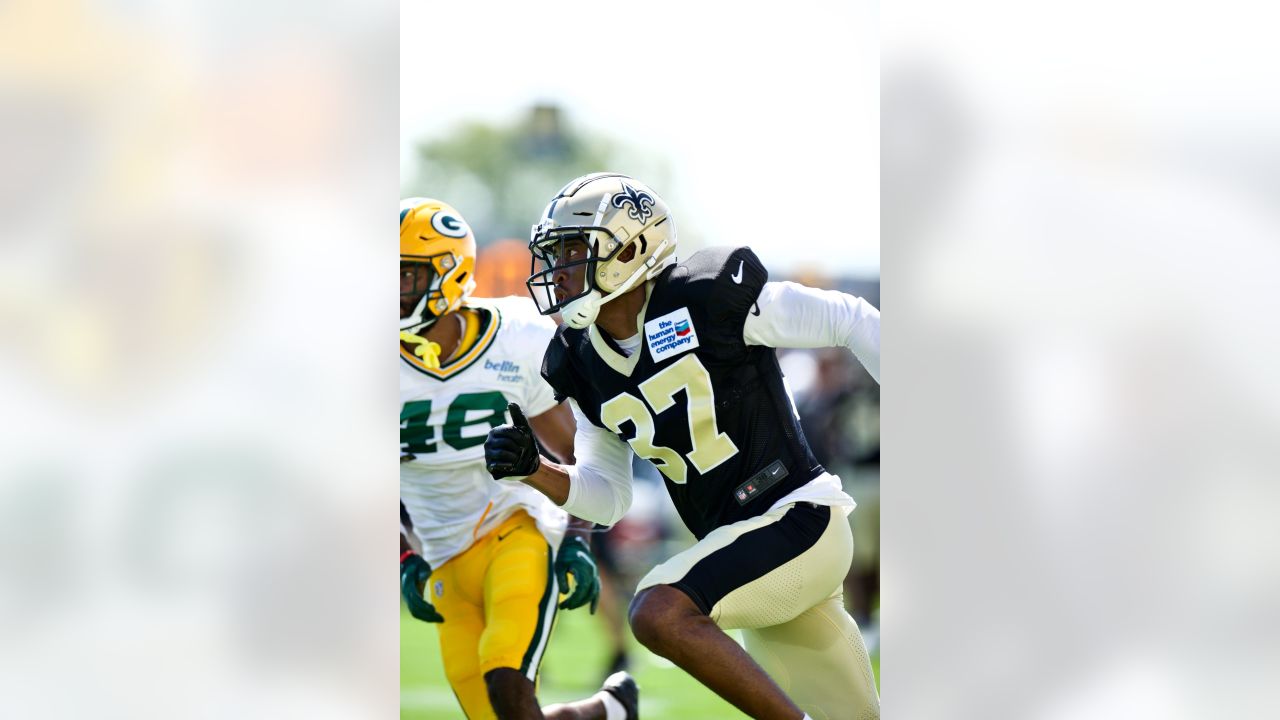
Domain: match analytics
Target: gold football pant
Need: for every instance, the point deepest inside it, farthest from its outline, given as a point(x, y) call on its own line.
point(778, 577)
point(498, 600)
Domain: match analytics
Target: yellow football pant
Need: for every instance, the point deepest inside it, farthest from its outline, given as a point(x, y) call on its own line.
point(498, 600)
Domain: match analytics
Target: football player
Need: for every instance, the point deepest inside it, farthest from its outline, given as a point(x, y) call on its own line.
point(676, 363)
point(495, 557)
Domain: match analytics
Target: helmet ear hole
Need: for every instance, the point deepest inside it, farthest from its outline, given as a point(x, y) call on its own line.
point(644, 245)
point(629, 253)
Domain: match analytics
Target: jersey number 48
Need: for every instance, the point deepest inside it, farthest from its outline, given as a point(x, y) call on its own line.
point(417, 436)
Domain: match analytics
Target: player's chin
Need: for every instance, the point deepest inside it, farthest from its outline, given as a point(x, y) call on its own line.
point(566, 293)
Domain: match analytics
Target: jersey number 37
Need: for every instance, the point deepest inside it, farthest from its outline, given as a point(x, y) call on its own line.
point(710, 447)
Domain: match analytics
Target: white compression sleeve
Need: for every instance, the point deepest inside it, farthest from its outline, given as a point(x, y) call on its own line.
point(600, 482)
point(795, 316)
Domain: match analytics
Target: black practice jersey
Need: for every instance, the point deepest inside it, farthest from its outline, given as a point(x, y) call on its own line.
point(705, 408)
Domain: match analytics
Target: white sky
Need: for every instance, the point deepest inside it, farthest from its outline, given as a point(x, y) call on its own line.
point(769, 120)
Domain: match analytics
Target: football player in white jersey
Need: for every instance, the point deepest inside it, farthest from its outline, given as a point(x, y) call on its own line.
point(494, 557)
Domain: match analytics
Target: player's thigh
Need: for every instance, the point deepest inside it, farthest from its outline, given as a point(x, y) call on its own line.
point(520, 602)
point(819, 659)
point(764, 570)
point(799, 582)
point(460, 635)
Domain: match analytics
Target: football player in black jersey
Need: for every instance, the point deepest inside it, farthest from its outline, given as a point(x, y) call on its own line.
point(675, 362)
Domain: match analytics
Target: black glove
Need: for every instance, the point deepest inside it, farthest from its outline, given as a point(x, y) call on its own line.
point(510, 451)
point(414, 572)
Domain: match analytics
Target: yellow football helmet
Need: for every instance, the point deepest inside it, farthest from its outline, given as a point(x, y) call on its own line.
point(437, 262)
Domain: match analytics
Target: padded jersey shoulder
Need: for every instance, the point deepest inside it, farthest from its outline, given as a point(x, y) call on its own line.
point(558, 362)
point(719, 286)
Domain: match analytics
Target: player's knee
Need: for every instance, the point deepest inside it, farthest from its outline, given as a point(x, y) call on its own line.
point(510, 693)
point(643, 617)
point(658, 615)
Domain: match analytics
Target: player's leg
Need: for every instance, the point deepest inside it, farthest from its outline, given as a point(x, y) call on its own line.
point(667, 622)
point(514, 693)
point(460, 633)
point(520, 604)
point(820, 660)
point(818, 656)
point(678, 612)
point(618, 698)
point(521, 594)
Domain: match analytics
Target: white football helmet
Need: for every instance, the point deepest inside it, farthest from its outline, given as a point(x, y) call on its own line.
point(608, 213)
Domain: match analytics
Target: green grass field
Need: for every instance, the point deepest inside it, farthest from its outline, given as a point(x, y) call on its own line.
point(572, 669)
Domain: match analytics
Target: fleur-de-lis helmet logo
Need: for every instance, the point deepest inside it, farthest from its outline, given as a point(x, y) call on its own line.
point(641, 202)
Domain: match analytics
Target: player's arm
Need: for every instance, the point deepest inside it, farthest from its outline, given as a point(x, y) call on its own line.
point(579, 528)
point(575, 560)
point(555, 429)
point(596, 488)
point(795, 316)
point(414, 573)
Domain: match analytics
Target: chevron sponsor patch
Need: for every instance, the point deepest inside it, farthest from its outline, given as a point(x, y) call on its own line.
point(670, 335)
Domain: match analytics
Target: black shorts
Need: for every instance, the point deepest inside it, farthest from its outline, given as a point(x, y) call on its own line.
point(777, 553)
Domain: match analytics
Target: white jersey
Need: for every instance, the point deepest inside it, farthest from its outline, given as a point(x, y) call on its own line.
point(445, 416)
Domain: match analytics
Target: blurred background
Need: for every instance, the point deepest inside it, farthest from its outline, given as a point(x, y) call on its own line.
point(757, 129)
point(1081, 236)
point(193, 421)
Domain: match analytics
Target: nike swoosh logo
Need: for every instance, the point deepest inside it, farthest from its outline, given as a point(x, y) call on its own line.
point(504, 537)
point(737, 277)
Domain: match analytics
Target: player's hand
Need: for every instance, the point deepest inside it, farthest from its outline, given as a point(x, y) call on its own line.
point(509, 451)
point(414, 572)
point(575, 559)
